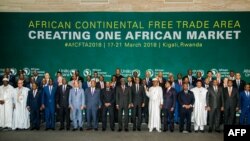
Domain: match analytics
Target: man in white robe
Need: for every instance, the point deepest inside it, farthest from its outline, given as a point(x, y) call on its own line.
point(6, 104)
point(155, 95)
point(21, 118)
point(199, 116)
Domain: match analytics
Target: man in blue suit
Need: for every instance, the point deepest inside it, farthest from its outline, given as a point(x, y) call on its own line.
point(34, 105)
point(186, 100)
point(169, 100)
point(93, 103)
point(77, 104)
point(48, 103)
point(245, 105)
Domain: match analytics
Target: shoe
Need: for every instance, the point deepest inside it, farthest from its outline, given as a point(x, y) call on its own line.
point(196, 131)
point(165, 130)
point(53, 129)
point(150, 130)
point(81, 129)
point(202, 131)
point(171, 130)
point(37, 129)
point(89, 129)
point(126, 130)
point(134, 129)
point(112, 129)
point(67, 129)
point(119, 130)
point(46, 129)
point(189, 131)
point(181, 131)
point(61, 128)
point(218, 131)
point(32, 128)
point(210, 131)
point(138, 129)
point(96, 129)
point(103, 129)
point(158, 130)
point(74, 129)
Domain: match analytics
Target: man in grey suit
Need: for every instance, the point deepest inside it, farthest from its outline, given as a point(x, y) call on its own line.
point(138, 96)
point(214, 105)
point(77, 104)
point(93, 103)
point(123, 102)
point(231, 103)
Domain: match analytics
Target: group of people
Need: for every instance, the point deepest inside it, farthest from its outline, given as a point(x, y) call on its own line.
point(160, 101)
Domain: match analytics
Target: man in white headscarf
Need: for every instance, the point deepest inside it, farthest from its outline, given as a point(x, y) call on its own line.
point(6, 104)
point(199, 116)
point(155, 95)
point(21, 118)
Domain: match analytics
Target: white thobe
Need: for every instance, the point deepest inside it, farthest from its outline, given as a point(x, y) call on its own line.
point(199, 115)
point(21, 118)
point(6, 110)
point(155, 100)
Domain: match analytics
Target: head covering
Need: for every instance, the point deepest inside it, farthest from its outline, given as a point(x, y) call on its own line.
point(5, 79)
point(154, 79)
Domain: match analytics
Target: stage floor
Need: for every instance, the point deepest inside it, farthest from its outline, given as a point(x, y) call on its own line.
point(108, 135)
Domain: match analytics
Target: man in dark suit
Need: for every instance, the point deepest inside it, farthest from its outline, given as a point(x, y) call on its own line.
point(62, 103)
point(123, 101)
point(186, 100)
point(118, 76)
point(169, 100)
point(214, 105)
point(245, 105)
point(231, 103)
point(34, 105)
point(199, 77)
point(239, 83)
point(161, 80)
point(108, 100)
point(48, 103)
point(93, 103)
point(78, 77)
point(101, 83)
point(190, 77)
point(37, 78)
point(138, 97)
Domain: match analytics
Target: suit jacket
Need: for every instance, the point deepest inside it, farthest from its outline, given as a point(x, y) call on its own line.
point(123, 99)
point(169, 98)
point(162, 84)
point(193, 80)
point(177, 87)
point(49, 99)
point(85, 85)
point(34, 102)
point(108, 96)
point(93, 100)
point(186, 99)
point(62, 97)
point(137, 97)
point(233, 101)
point(241, 87)
point(215, 100)
point(76, 98)
point(244, 101)
point(149, 82)
point(98, 85)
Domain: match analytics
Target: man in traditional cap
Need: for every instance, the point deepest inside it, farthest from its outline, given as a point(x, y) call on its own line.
point(6, 104)
point(21, 119)
point(155, 95)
